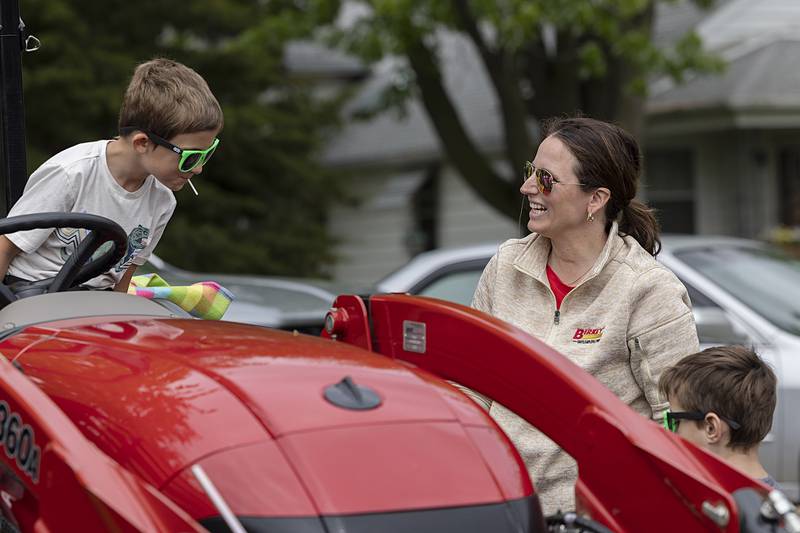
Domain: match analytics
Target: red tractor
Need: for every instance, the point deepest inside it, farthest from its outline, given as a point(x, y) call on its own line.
point(117, 414)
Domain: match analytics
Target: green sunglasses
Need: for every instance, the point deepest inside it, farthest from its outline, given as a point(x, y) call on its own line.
point(189, 159)
point(673, 419)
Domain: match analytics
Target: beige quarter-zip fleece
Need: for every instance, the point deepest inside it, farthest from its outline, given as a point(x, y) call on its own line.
point(625, 323)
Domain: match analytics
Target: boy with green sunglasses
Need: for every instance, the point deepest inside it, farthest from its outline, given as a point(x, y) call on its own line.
point(168, 127)
point(189, 159)
point(723, 399)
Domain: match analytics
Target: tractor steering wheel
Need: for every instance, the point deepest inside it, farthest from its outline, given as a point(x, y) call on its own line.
point(79, 267)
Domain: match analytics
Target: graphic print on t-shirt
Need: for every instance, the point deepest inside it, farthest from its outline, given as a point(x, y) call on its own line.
point(71, 238)
point(137, 240)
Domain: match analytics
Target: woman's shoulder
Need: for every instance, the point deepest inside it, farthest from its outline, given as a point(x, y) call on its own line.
point(632, 255)
point(644, 269)
point(641, 264)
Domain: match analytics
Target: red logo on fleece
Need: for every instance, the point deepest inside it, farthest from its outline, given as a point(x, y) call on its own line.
point(588, 335)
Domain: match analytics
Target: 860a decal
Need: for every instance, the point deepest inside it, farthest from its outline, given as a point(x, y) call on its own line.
point(18, 441)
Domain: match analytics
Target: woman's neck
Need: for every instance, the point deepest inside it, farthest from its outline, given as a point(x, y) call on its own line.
point(577, 251)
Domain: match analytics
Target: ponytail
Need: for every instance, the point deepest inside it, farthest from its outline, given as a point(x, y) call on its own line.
point(639, 222)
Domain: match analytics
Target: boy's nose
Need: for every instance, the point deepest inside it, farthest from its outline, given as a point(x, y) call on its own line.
point(197, 170)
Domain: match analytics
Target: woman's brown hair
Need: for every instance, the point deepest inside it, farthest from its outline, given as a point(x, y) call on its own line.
point(608, 156)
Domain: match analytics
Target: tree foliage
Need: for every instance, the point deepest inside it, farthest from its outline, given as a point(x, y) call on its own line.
point(544, 58)
point(263, 198)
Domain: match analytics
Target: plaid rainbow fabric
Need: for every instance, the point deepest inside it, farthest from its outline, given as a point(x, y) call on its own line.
point(207, 299)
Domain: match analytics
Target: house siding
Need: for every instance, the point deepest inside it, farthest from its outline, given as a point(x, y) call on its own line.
point(372, 234)
point(466, 219)
point(736, 178)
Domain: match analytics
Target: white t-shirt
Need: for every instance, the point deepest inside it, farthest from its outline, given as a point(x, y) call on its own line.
point(78, 180)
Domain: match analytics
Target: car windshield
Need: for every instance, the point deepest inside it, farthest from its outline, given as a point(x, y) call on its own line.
point(765, 279)
point(456, 287)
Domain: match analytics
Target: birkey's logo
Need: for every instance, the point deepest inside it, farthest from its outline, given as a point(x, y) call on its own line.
point(588, 336)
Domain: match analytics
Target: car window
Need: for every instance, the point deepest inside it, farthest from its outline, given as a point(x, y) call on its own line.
point(697, 298)
point(456, 286)
point(714, 325)
point(764, 279)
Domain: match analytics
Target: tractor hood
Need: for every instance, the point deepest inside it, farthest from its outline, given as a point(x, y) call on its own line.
point(248, 403)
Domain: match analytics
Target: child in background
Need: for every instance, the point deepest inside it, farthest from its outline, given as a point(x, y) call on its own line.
point(722, 399)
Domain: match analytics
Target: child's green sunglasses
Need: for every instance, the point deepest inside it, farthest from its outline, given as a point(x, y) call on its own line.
point(673, 419)
point(189, 159)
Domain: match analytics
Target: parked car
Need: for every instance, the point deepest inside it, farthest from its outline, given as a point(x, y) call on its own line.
point(742, 291)
point(283, 303)
point(448, 274)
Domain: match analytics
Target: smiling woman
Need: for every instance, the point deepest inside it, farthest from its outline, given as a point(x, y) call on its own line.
point(586, 282)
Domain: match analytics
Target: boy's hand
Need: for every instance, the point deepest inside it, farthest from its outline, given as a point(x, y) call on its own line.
point(8, 250)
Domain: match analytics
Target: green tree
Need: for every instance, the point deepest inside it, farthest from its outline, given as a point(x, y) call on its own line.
point(263, 198)
point(544, 58)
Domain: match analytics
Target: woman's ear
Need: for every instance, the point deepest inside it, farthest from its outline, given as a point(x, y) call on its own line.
point(598, 200)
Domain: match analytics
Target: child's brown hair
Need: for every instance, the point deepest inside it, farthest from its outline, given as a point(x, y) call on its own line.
point(168, 98)
point(731, 381)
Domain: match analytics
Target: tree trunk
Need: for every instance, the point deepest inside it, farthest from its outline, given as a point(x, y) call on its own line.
point(461, 151)
point(499, 64)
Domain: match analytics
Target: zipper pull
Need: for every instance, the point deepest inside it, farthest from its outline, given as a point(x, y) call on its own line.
point(556, 317)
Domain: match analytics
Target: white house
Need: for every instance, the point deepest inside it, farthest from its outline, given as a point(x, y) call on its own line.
point(725, 150)
point(722, 152)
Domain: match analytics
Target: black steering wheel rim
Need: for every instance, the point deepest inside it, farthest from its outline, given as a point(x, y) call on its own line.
point(79, 267)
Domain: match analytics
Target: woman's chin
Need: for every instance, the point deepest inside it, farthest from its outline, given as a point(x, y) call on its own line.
point(536, 226)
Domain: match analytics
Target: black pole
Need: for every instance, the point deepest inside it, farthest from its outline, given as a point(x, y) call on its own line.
point(12, 110)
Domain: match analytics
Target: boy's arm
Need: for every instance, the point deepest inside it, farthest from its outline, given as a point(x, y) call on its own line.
point(123, 284)
point(8, 250)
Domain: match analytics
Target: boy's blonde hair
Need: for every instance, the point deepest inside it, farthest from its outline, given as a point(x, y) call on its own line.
point(167, 98)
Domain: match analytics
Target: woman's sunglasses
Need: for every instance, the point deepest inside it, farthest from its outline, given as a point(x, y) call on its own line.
point(188, 159)
point(673, 419)
point(544, 179)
